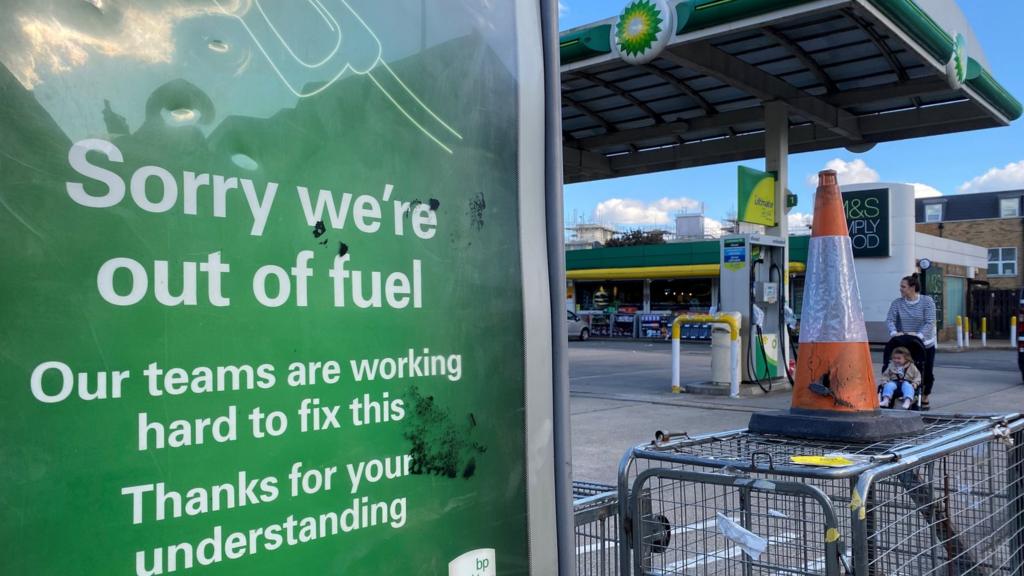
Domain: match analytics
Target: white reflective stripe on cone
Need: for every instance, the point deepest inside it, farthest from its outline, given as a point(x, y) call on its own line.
point(831, 307)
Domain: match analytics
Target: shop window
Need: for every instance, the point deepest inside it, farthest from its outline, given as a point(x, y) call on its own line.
point(605, 295)
point(690, 295)
point(1009, 207)
point(933, 212)
point(1002, 261)
point(796, 294)
point(953, 299)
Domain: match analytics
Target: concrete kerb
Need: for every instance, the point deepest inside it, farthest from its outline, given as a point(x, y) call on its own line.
point(952, 347)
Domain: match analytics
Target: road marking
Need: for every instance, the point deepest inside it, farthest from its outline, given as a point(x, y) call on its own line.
point(612, 375)
point(811, 566)
point(727, 554)
point(587, 549)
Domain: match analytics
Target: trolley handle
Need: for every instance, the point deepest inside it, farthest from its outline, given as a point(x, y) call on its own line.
point(753, 459)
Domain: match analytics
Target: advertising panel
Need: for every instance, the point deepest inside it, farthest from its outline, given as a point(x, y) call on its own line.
point(263, 287)
point(867, 217)
point(755, 196)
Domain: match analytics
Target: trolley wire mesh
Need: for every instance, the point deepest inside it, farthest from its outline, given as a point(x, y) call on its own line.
point(958, 514)
point(596, 516)
point(683, 534)
point(950, 512)
point(740, 446)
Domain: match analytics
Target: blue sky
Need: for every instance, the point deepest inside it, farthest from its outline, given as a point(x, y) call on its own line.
point(967, 162)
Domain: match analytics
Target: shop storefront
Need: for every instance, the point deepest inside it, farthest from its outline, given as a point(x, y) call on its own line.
point(636, 291)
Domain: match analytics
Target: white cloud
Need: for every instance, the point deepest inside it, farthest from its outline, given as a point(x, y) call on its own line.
point(853, 172)
point(799, 222)
point(1008, 177)
point(924, 190)
point(625, 211)
point(712, 227)
point(562, 8)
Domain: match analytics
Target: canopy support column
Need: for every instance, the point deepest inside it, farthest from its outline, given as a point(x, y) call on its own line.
point(776, 160)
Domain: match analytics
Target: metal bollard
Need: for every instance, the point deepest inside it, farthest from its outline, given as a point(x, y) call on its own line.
point(1013, 331)
point(732, 320)
point(676, 389)
point(984, 331)
point(959, 332)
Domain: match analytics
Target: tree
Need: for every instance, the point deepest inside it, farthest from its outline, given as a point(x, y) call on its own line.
point(637, 237)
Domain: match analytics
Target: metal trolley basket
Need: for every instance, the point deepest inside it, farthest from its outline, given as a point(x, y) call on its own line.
point(596, 512)
point(948, 501)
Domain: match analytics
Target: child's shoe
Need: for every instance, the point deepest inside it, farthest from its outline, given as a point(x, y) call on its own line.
point(907, 403)
point(884, 402)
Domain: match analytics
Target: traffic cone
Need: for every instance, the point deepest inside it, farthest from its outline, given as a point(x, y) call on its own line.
point(835, 394)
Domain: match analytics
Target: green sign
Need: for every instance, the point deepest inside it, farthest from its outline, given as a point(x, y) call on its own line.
point(756, 196)
point(262, 287)
point(643, 29)
point(934, 287)
point(734, 253)
point(867, 217)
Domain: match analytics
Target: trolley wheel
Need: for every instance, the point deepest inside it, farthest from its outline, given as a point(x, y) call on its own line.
point(584, 334)
point(661, 535)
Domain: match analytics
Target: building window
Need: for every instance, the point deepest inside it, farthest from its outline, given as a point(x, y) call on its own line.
point(684, 295)
point(1009, 207)
point(609, 295)
point(952, 298)
point(933, 212)
point(1002, 261)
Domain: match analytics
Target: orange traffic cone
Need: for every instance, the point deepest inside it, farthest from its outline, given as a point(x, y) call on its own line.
point(835, 395)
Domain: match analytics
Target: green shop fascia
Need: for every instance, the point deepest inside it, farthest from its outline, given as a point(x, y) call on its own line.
point(636, 291)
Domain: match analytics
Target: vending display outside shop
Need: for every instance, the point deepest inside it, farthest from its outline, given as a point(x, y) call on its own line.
point(251, 257)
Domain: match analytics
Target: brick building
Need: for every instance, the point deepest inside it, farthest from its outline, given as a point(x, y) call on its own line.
point(993, 220)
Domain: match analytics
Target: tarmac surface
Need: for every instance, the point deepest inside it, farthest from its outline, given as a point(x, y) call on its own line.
point(621, 394)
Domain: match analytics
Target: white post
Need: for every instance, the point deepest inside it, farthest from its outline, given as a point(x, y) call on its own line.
point(734, 368)
point(959, 332)
point(675, 362)
point(984, 332)
point(776, 159)
point(967, 332)
point(1013, 331)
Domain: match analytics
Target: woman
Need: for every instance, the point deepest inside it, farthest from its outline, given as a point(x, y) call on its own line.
point(914, 314)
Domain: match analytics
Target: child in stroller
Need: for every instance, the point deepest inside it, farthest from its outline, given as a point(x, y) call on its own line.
point(902, 365)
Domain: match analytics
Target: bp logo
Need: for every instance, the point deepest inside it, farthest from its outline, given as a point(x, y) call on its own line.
point(643, 30)
point(956, 67)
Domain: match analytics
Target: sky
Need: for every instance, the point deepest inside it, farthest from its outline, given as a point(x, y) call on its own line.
point(978, 161)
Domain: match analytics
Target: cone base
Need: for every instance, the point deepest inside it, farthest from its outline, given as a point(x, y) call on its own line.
point(860, 427)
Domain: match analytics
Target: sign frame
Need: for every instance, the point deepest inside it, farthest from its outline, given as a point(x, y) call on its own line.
point(869, 221)
point(755, 196)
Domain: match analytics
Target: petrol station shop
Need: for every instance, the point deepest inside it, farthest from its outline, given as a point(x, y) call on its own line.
point(636, 291)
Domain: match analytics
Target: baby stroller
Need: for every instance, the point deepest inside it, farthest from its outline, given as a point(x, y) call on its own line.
point(919, 357)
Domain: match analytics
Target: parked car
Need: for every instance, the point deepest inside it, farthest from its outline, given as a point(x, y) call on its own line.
point(578, 327)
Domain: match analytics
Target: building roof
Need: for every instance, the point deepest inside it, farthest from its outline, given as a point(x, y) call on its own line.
point(702, 252)
point(976, 206)
point(853, 72)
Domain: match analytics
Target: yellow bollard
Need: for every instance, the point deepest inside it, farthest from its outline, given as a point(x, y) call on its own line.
point(984, 331)
point(959, 332)
point(732, 320)
point(1013, 331)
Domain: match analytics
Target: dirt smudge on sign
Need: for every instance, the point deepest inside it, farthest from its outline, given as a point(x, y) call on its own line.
point(477, 205)
point(440, 446)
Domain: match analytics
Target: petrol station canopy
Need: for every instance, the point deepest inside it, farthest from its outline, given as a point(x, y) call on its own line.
point(851, 72)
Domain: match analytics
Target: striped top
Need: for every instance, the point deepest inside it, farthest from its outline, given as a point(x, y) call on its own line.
point(913, 317)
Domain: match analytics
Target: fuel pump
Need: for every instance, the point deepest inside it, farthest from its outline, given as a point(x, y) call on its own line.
point(752, 282)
